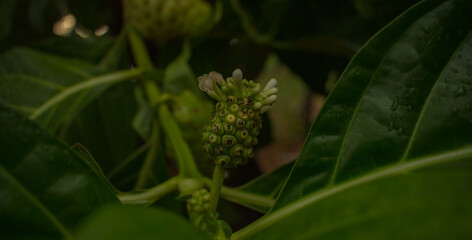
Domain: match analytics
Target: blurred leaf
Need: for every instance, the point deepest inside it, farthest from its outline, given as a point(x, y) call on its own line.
point(45, 187)
point(87, 49)
point(142, 121)
point(128, 222)
point(403, 91)
point(104, 126)
point(179, 75)
point(57, 87)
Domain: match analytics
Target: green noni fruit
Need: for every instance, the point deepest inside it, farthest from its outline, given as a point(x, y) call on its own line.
point(165, 19)
point(231, 134)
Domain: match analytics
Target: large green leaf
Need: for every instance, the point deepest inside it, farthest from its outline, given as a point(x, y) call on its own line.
point(57, 87)
point(403, 97)
point(128, 222)
point(426, 198)
point(45, 188)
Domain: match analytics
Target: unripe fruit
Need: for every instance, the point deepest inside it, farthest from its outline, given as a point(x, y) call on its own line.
point(165, 19)
point(231, 134)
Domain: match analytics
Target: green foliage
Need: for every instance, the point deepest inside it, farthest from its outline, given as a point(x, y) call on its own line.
point(46, 187)
point(131, 222)
point(388, 157)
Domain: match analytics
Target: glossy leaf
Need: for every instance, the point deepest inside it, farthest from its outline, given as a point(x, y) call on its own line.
point(402, 97)
point(58, 87)
point(128, 222)
point(426, 198)
point(45, 187)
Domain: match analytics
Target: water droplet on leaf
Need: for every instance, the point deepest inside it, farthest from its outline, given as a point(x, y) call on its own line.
point(394, 104)
point(427, 29)
point(460, 91)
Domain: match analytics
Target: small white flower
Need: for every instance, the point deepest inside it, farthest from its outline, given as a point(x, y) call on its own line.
point(205, 83)
point(217, 77)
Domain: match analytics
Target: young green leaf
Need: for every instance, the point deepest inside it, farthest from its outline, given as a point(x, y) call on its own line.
point(45, 188)
point(400, 106)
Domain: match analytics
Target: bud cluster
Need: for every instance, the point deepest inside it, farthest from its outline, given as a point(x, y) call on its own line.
point(199, 202)
point(232, 132)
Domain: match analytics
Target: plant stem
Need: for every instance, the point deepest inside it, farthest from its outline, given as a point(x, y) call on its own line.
point(234, 194)
point(92, 82)
point(150, 156)
point(243, 198)
point(247, 25)
point(151, 194)
point(216, 184)
point(184, 157)
point(140, 52)
point(112, 56)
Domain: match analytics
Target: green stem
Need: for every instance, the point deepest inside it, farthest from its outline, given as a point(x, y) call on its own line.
point(150, 157)
point(241, 197)
point(152, 194)
point(139, 49)
point(247, 25)
point(184, 157)
point(216, 184)
point(92, 82)
point(111, 58)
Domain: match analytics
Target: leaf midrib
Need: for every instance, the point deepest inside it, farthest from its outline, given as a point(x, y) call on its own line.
point(388, 171)
point(37, 203)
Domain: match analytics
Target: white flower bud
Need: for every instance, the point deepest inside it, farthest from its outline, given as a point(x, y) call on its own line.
point(257, 105)
point(270, 100)
point(271, 84)
point(271, 91)
point(265, 109)
point(237, 76)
